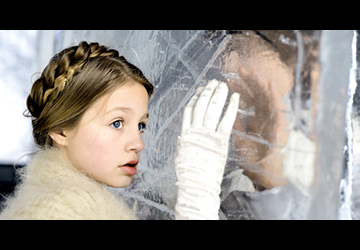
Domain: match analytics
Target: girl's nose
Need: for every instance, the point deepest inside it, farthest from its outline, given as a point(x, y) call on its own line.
point(135, 142)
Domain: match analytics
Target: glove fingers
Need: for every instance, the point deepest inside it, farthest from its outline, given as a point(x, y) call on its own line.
point(215, 107)
point(202, 104)
point(188, 112)
point(227, 122)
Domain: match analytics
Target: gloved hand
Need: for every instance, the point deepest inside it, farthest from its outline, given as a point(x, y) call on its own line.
point(202, 152)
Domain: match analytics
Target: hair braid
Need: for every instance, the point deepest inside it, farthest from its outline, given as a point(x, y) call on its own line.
point(60, 70)
point(69, 66)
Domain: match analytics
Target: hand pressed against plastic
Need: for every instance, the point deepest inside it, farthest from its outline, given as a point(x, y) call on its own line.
point(202, 150)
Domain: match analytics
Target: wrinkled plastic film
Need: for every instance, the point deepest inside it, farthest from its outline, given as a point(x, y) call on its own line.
point(285, 157)
point(273, 164)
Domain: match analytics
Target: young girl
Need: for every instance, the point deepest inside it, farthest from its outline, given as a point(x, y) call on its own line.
point(89, 109)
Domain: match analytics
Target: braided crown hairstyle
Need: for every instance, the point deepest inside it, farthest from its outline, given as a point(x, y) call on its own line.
point(74, 79)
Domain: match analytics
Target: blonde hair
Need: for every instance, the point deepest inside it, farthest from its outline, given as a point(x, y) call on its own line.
point(72, 81)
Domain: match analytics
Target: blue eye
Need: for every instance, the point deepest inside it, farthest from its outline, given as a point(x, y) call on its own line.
point(142, 127)
point(117, 124)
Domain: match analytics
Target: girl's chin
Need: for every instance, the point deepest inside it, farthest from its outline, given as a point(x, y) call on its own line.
point(124, 181)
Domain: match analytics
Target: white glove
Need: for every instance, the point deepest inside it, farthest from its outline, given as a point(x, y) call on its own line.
point(202, 152)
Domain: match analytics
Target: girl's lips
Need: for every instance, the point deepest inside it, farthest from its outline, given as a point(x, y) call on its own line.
point(131, 163)
point(128, 170)
point(130, 167)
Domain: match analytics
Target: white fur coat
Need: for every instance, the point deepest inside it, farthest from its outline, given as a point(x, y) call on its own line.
point(52, 189)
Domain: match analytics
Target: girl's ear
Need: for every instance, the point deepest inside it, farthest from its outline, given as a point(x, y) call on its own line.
point(59, 136)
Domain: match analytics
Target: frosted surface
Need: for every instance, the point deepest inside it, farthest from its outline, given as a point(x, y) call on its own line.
point(286, 157)
point(291, 94)
point(349, 188)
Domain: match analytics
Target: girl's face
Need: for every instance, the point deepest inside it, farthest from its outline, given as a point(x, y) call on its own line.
point(107, 143)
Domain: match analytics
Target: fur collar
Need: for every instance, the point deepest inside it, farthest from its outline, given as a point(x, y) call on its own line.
point(51, 188)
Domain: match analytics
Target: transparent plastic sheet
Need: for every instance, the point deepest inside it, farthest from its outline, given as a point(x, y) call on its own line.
point(285, 158)
point(349, 186)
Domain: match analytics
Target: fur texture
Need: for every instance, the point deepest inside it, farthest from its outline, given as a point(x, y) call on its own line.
point(52, 189)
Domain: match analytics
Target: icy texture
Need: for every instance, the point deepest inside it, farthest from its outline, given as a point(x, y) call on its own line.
point(285, 159)
point(288, 137)
point(349, 189)
point(335, 60)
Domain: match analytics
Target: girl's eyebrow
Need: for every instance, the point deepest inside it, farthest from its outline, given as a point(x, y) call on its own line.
point(127, 110)
point(124, 109)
